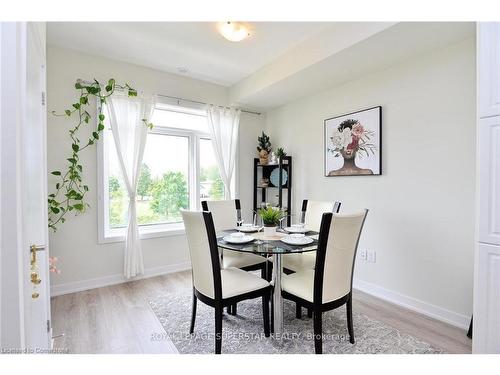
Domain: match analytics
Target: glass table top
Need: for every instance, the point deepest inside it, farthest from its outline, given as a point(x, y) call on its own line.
point(263, 244)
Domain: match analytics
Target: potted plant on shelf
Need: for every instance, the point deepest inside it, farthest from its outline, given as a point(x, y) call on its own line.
point(280, 153)
point(264, 148)
point(271, 217)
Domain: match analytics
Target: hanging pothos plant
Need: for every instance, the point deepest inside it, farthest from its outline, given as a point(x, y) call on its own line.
point(70, 191)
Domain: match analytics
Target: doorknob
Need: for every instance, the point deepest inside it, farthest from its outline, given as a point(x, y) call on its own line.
point(33, 250)
point(35, 279)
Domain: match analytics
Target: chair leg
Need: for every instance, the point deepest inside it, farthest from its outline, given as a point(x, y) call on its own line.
point(193, 314)
point(263, 271)
point(218, 329)
point(265, 313)
point(231, 309)
point(272, 314)
point(469, 332)
point(318, 332)
point(349, 320)
point(309, 313)
point(298, 311)
point(269, 271)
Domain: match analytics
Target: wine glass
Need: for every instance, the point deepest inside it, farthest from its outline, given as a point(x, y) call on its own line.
point(301, 222)
point(259, 224)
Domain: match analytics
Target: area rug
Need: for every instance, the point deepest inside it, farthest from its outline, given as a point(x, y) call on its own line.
point(244, 333)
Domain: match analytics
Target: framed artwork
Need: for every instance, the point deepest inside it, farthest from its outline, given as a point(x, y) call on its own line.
point(353, 144)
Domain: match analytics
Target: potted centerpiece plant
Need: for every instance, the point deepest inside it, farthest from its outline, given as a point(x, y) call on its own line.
point(280, 153)
point(264, 148)
point(271, 217)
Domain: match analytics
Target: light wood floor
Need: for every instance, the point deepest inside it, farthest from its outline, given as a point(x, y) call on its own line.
point(118, 319)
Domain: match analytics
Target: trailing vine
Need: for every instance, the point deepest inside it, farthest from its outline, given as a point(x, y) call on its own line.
point(70, 191)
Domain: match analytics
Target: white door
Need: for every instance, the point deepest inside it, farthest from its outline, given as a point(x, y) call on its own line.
point(34, 182)
point(486, 330)
point(25, 298)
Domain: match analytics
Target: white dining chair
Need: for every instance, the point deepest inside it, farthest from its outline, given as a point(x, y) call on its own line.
point(311, 215)
point(329, 285)
point(312, 212)
point(225, 215)
point(214, 286)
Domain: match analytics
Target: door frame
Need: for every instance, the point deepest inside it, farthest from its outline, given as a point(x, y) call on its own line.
point(12, 99)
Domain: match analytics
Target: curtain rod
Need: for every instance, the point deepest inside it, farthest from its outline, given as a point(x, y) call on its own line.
point(198, 102)
point(187, 100)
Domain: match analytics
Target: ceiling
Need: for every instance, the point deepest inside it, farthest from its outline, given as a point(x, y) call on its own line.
point(194, 46)
point(375, 47)
point(278, 63)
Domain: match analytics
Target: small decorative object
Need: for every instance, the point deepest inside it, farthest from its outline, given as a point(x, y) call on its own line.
point(272, 158)
point(53, 266)
point(264, 148)
point(271, 217)
point(263, 157)
point(264, 182)
point(275, 176)
point(280, 153)
point(353, 144)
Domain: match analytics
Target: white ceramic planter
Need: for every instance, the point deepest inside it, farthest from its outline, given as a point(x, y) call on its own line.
point(269, 231)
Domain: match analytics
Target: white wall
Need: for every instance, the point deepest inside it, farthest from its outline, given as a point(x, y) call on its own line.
point(84, 262)
point(421, 220)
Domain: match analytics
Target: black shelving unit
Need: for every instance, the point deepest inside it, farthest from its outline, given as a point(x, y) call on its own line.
point(264, 171)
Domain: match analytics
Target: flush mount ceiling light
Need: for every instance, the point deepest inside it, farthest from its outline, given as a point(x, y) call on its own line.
point(233, 31)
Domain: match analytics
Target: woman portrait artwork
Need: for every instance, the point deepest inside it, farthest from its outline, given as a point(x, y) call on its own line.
point(352, 144)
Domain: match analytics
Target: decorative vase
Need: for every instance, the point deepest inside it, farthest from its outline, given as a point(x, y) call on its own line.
point(263, 157)
point(272, 158)
point(270, 231)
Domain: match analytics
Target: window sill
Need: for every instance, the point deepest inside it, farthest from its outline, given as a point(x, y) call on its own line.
point(146, 232)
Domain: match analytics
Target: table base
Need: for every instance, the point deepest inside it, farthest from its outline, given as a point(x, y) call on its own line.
point(277, 299)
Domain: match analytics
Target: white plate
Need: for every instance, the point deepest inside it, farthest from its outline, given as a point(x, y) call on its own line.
point(238, 240)
point(296, 230)
point(247, 229)
point(297, 241)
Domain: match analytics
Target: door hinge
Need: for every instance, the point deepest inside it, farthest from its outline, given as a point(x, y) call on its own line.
point(43, 97)
point(48, 325)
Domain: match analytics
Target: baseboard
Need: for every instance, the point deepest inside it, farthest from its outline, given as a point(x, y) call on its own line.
point(425, 308)
point(78, 286)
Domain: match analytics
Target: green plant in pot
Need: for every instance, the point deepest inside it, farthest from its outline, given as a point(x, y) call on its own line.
point(264, 148)
point(271, 217)
point(280, 153)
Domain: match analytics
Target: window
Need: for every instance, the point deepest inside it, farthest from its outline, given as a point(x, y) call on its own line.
point(211, 185)
point(179, 169)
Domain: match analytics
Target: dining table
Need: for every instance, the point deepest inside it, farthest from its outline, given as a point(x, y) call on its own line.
point(270, 245)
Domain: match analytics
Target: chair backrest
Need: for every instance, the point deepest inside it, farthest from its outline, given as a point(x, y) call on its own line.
point(224, 213)
point(336, 254)
point(203, 252)
point(312, 212)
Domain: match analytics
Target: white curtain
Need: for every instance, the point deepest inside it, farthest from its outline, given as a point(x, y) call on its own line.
point(223, 124)
point(130, 132)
